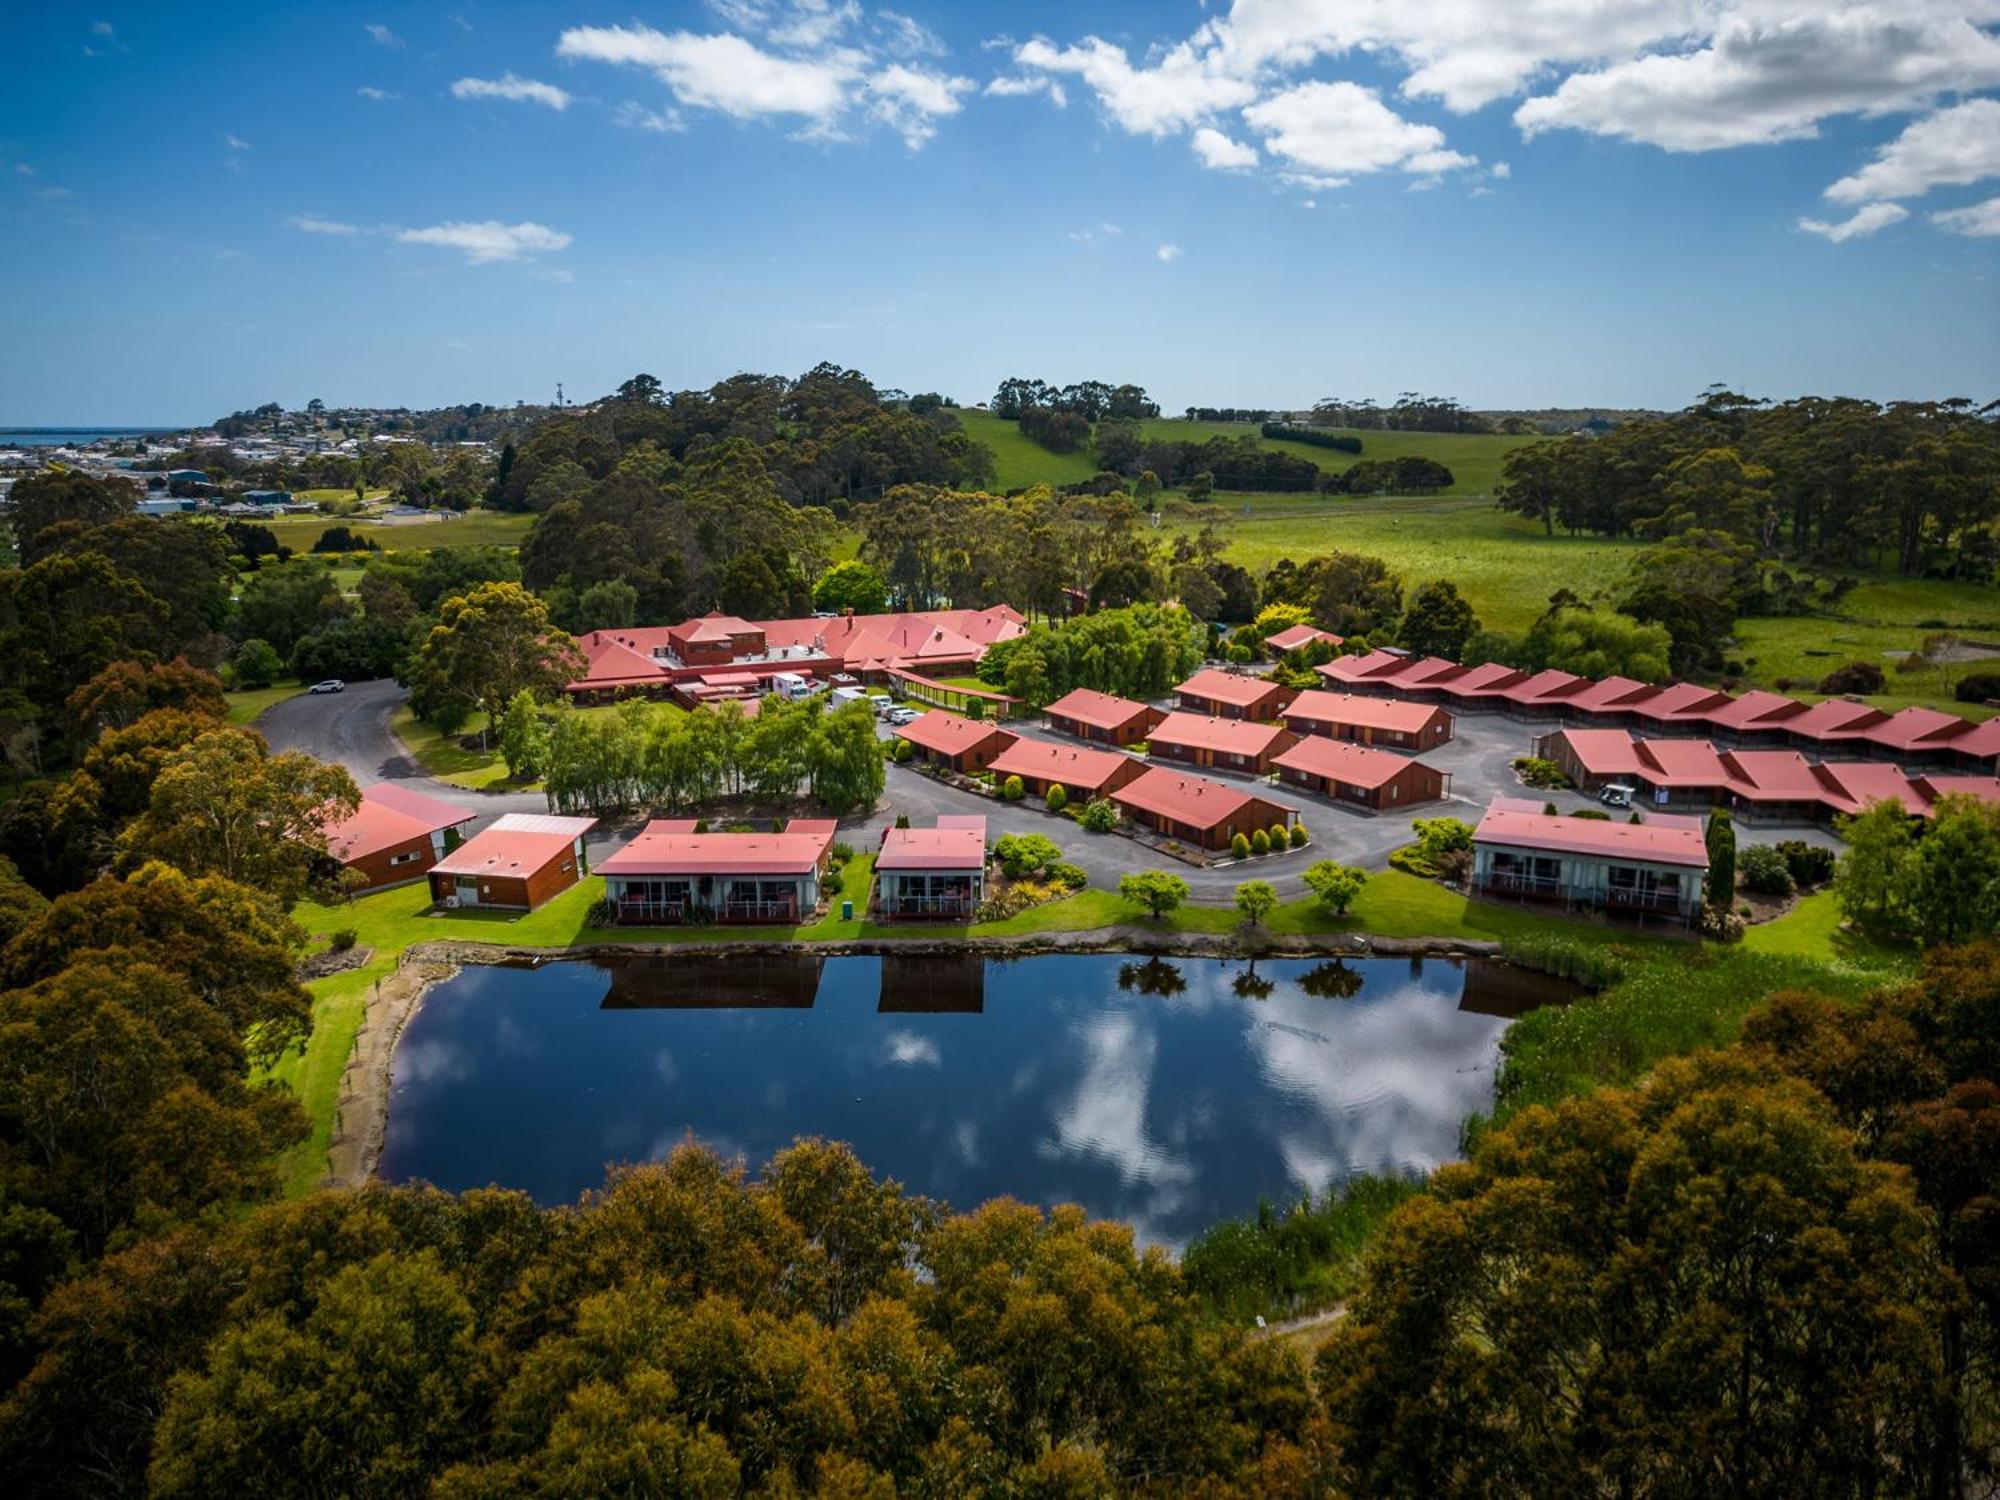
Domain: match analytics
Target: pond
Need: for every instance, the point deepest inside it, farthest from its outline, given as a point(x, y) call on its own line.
point(1165, 1092)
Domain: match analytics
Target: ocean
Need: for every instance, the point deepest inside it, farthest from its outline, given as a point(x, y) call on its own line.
point(58, 437)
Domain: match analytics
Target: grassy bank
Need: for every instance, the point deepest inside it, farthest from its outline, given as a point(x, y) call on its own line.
point(247, 705)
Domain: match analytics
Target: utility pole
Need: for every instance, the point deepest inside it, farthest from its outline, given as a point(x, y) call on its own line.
point(559, 394)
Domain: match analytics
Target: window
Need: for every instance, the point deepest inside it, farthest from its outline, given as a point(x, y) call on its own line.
point(405, 858)
point(568, 865)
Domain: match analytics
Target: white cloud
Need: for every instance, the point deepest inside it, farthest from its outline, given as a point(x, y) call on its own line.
point(1180, 90)
point(1340, 129)
point(812, 23)
point(910, 100)
point(1956, 145)
point(235, 143)
point(903, 36)
point(22, 169)
point(1168, 253)
point(722, 72)
point(1220, 152)
point(1975, 218)
point(1097, 234)
point(1005, 87)
point(511, 86)
point(489, 240)
point(1765, 75)
point(1863, 222)
point(635, 116)
point(1501, 170)
point(368, 91)
point(383, 36)
point(312, 224)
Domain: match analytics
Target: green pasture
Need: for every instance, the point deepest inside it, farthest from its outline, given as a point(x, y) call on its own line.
point(475, 528)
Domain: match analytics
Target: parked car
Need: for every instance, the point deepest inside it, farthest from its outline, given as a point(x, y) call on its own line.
point(902, 716)
point(331, 685)
point(882, 703)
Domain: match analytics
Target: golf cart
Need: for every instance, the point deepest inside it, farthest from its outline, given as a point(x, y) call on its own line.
point(1616, 795)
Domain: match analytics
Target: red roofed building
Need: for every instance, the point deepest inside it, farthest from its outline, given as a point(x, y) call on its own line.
point(962, 745)
point(1294, 637)
point(1833, 724)
point(1232, 695)
point(1593, 758)
point(1853, 786)
point(1367, 672)
point(1774, 786)
point(1607, 702)
point(396, 835)
point(932, 872)
point(1542, 696)
point(520, 860)
point(1420, 681)
point(1482, 688)
point(1917, 733)
point(1195, 810)
point(1385, 722)
point(1979, 747)
point(1354, 773)
point(669, 873)
point(1242, 745)
point(1081, 773)
point(1681, 706)
point(1653, 867)
point(1985, 788)
point(1100, 716)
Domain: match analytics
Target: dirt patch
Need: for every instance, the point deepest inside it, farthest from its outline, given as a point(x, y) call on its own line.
point(361, 1119)
point(333, 961)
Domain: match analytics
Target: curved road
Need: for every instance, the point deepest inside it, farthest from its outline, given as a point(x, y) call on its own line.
point(352, 728)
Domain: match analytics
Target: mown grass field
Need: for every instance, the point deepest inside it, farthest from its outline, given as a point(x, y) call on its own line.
point(247, 705)
point(1473, 459)
point(476, 528)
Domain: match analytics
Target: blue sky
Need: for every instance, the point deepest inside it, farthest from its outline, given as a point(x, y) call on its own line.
point(1514, 202)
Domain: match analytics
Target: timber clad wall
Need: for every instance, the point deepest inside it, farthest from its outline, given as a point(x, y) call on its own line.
point(1416, 782)
point(396, 865)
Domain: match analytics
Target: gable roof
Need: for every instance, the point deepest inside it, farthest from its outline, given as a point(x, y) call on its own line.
point(1228, 736)
point(954, 844)
point(389, 815)
point(1219, 686)
point(1834, 718)
point(1193, 800)
point(1343, 760)
point(1294, 636)
point(1755, 710)
point(1381, 662)
point(1076, 767)
point(1603, 752)
point(1317, 707)
point(669, 846)
point(515, 844)
point(1659, 842)
point(1099, 710)
point(948, 733)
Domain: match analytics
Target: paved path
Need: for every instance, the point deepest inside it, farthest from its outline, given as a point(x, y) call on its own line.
point(352, 728)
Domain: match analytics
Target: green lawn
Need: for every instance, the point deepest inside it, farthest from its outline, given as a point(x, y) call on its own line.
point(445, 758)
point(246, 705)
point(1800, 651)
point(1812, 929)
point(314, 1074)
point(475, 528)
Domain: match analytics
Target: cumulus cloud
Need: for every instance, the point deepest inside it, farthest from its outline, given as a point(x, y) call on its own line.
point(511, 86)
point(721, 72)
point(235, 143)
point(369, 92)
point(1097, 234)
point(1974, 218)
point(911, 100)
point(1336, 130)
point(1862, 223)
point(1006, 87)
point(1220, 152)
point(383, 36)
point(1180, 90)
point(313, 224)
point(635, 116)
point(1168, 252)
point(488, 240)
point(1956, 145)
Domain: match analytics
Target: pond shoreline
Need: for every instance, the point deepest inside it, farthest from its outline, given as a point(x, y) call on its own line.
point(361, 1122)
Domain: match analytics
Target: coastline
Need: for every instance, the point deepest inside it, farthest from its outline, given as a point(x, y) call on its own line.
point(361, 1119)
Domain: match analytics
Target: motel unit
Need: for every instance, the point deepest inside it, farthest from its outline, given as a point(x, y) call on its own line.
point(937, 873)
point(1196, 810)
point(1386, 723)
point(1657, 867)
point(396, 835)
point(1298, 637)
point(1232, 695)
point(670, 874)
point(518, 861)
point(1245, 746)
point(964, 745)
point(1101, 716)
point(1356, 774)
point(1081, 772)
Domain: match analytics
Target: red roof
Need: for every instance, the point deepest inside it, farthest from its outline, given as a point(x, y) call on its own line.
point(1098, 710)
point(1771, 776)
point(1610, 695)
point(1077, 768)
point(1294, 636)
point(1688, 763)
point(1603, 752)
point(1985, 788)
point(1218, 686)
point(1681, 701)
point(1916, 729)
point(1315, 707)
point(390, 815)
point(948, 734)
point(1380, 662)
point(1193, 800)
point(1429, 671)
point(1658, 842)
point(955, 844)
point(1851, 786)
point(1981, 741)
point(1343, 760)
point(514, 844)
point(665, 847)
point(1834, 719)
point(1551, 686)
point(1226, 736)
point(1487, 680)
point(1756, 710)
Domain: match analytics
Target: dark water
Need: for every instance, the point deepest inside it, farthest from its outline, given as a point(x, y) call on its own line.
point(57, 437)
point(1167, 1093)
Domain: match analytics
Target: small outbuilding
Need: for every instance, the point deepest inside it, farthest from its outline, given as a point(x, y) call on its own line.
point(519, 861)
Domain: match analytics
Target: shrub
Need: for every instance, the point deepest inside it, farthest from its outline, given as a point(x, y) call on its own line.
point(1058, 797)
point(1334, 885)
point(1720, 925)
point(1764, 871)
point(1024, 854)
point(1549, 809)
point(1540, 773)
point(1099, 816)
point(1299, 837)
point(1597, 814)
point(1240, 654)
point(1011, 790)
point(701, 825)
point(840, 854)
point(1260, 842)
point(1239, 847)
point(1067, 875)
point(1856, 677)
point(901, 751)
point(1808, 864)
point(341, 941)
point(1977, 687)
point(902, 820)
point(1595, 966)
point(256, 664)
point(1281, 837)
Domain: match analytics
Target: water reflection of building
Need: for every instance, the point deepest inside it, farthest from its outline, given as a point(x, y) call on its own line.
point(933, 983)
point(774, 980)
point(1507, 990)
